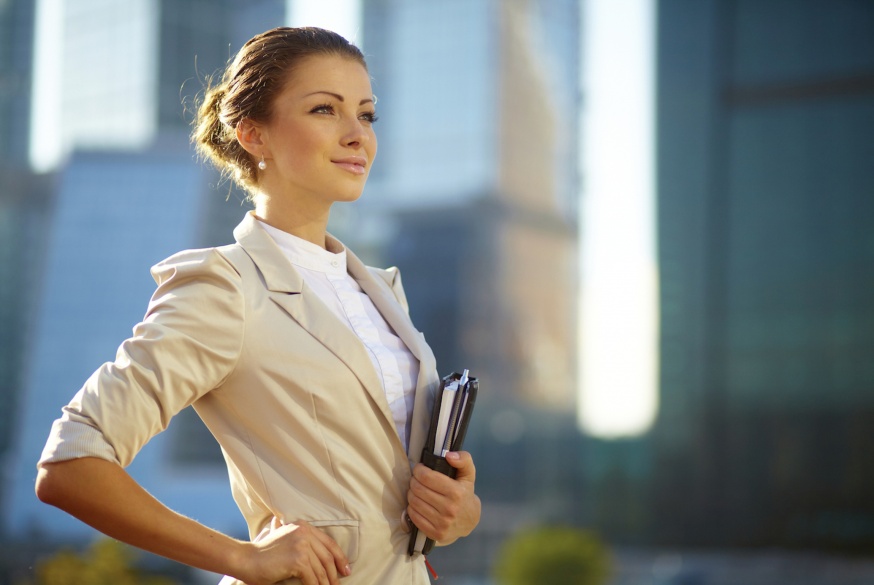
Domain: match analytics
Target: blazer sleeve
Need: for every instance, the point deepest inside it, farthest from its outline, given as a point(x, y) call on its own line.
point(187, 344)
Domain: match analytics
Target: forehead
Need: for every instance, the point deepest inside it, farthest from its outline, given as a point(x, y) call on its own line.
point(332, 73)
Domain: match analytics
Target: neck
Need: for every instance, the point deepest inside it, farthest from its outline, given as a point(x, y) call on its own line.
point(307, 223)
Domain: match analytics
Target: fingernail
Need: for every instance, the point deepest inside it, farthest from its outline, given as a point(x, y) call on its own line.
point(452, 455)
point(348, 570)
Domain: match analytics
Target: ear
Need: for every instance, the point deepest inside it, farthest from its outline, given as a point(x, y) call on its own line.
point(250, 135)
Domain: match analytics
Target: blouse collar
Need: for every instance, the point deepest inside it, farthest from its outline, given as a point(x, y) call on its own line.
point(304, 254)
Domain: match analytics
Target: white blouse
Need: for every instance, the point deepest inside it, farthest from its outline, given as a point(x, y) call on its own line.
point(324, 271)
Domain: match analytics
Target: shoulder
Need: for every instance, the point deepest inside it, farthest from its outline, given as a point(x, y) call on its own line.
point(203, 278)
point(194, 263)
point(230, 264)
point(199, 299)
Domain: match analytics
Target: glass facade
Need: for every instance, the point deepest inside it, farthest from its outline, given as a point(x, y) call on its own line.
point(16, 60)
point(108, 97)
point(130, 69)
point(436, 99)
point(766, 113)
point(23, 201)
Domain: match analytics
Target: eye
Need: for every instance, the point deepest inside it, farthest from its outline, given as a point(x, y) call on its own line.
point(369, 117)
point(323, 109)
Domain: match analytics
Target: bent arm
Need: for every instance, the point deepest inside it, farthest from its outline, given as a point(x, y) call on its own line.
point(103, 495)
point(186, 344)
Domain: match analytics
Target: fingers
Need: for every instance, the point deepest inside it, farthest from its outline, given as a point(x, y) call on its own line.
point(432, 489)
point(320, 564)
point(463, 462)
point(442, 507)
point(465, 473)
point(427, 517)
point(299, 550)
point(435, 501)
point(326, 562)
point(337, 557)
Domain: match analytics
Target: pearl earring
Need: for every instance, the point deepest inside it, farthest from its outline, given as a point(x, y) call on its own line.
point(261, 164)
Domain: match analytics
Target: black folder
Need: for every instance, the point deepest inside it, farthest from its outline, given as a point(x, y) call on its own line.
point(459, 391)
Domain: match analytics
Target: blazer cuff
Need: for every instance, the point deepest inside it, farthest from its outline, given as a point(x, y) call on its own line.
point(71, 439)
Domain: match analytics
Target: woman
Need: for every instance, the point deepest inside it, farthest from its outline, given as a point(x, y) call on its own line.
point(301, 361)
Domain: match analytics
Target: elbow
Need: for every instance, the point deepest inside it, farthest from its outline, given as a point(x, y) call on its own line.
point(43, 487)
point(66, 484)
point(48, 485)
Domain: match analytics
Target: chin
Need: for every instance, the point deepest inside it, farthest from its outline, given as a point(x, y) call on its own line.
point(349, 196)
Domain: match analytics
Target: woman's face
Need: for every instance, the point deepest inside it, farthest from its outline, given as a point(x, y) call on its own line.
point(319, 143)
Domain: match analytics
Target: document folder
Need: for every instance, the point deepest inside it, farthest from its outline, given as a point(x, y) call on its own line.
point(450, 416)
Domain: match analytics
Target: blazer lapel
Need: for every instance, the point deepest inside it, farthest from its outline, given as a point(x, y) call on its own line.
point(288, 290)
point(384, 299)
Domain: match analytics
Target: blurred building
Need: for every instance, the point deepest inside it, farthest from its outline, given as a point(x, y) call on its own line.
point(128, 192)
point(766, 223)
point(126, 67)
point(24, 198)
point(16, 61)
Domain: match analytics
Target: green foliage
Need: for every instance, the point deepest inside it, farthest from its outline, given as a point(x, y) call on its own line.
point(106, 562)
point(553, 556)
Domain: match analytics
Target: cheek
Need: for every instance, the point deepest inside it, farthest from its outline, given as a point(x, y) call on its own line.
point(297, 154)
point(300, 143)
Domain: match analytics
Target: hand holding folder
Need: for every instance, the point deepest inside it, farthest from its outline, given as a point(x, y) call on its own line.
point(450, 416)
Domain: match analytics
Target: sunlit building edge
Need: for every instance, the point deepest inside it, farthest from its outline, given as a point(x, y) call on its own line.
point(618, 372)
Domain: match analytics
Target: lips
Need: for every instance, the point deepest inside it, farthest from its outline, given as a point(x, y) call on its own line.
point(356, 165)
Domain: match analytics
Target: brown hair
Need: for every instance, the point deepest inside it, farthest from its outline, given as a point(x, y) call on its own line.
point(248, 88)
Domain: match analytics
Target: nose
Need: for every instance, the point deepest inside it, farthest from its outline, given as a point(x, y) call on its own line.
point(356, 134)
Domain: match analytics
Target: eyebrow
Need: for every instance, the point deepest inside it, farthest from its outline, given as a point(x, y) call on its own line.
point(339, 97)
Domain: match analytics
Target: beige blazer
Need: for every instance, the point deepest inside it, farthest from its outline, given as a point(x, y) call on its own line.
point(285, 387)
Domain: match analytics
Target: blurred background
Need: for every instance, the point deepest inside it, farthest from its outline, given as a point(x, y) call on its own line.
point(647, 226)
